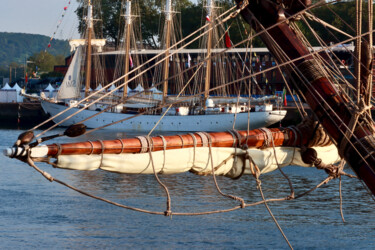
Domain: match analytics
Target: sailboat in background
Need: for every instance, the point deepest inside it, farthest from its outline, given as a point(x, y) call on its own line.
point(181, 113)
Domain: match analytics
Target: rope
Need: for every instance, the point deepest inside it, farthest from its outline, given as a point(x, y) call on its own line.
point(195, 146)
point(214, 176)
point(168, 211)
point(164, 151)
point(256, 173)
point(30, 161)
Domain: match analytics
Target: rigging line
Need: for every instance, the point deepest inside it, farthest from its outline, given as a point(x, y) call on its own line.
point(129, 73)
point(214, 176)
point(315, 52)
point(348, 130)
point(122, 77)
point(271, 214)
point(51, 179)
point(232, 15)
point(325, 24)
point(370, 42)
point(358, 47)
point(170, 106)
point(227, 84)
point(168, 211)
point(203, 27)
point(341, 167)
point(293, 63)
point(332, 52)
point(224, 20)
point(142, 113)
point(281, 171)
point(344, 92)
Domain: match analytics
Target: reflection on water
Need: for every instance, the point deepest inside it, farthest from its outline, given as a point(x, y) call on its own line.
point(34, 212)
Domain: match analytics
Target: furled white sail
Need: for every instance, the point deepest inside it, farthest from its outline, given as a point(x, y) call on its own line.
point(197, 160)
point(70, 87)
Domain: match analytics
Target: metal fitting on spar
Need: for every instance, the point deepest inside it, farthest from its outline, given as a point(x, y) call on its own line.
point(40, 151)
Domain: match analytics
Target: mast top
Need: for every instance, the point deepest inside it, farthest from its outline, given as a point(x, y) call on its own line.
point(210, 6)
point(90, 20)
point(168, 10)
point(128, 16)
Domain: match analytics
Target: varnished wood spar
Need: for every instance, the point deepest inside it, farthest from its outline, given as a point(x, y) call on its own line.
point(328, 104)
point(256, 138)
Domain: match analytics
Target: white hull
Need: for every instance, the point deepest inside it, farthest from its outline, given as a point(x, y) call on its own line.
point(144, 123)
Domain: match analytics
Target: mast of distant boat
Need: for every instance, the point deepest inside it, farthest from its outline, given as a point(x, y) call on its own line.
point(168, 23)
point(128, 21)
point(210, 7)
point(89, 48)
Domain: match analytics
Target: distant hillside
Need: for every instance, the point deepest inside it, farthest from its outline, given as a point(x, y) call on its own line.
point(15, 47)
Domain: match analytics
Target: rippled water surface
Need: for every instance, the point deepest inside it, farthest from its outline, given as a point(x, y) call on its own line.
point(35, 213)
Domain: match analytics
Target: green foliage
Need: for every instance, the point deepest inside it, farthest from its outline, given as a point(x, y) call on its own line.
point(16, 47)
point(192, 14)
point(44, 60)
point(342, 15)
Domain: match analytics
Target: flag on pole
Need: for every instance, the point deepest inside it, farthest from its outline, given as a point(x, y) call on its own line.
point(131, 61)
point(284, 97)
point(26, 78)
point(228, 42)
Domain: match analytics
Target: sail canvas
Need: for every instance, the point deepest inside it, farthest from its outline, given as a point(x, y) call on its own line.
point(70, 87)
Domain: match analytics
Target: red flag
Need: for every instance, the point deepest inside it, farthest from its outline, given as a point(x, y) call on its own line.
point(228, 43)
point(26, 78)
point(131, 61)
point(208, 18)
point(284, 97)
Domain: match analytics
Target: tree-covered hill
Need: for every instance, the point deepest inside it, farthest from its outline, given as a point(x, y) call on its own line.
point(16, 47)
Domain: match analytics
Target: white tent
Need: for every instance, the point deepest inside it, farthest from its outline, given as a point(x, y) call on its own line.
point(99, 87)
point(6, 87)
point(83, 92)
point(155, 90)
point(49, 88)
point(8, 94)
point(17, 88)
point(19, 97)
point(129, 90)
point(48, 92)
point(112, 87)
point(139, 88)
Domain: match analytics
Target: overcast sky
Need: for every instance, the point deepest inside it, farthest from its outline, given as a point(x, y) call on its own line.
point(39, 17)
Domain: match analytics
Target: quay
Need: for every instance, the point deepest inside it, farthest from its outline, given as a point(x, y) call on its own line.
point(21, 114)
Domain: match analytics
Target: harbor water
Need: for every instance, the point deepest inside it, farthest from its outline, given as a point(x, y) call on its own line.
point(35, 213)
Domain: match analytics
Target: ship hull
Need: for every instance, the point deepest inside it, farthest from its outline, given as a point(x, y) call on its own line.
point(170, 123)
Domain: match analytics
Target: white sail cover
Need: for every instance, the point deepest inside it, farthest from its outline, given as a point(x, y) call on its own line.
point(196, 160)
point(70, 87)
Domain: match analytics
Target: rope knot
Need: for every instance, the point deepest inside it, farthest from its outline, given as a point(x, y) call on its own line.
point(167, 213)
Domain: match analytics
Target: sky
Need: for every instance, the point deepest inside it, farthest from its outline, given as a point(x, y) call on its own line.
point(39, 17)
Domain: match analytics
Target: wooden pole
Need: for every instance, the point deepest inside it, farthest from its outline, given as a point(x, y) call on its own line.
point(168, 22)
point(210, 6)
point(257, 138)
point(127, 47)
point(89, 48)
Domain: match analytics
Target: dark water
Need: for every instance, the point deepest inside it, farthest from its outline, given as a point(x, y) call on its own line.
point(35, 213)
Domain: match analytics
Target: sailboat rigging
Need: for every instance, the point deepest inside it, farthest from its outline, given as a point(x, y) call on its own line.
point(185, 117)
point(340, 130)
